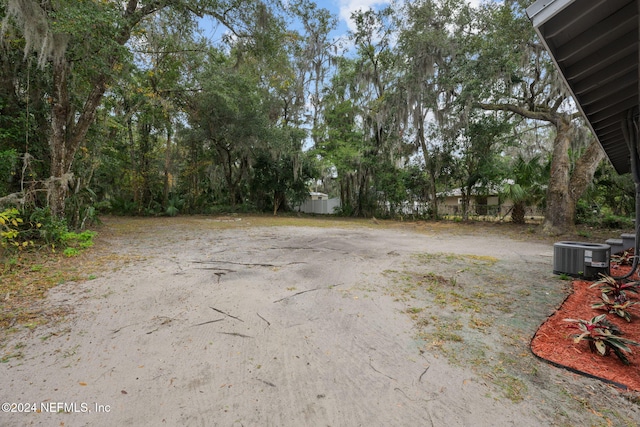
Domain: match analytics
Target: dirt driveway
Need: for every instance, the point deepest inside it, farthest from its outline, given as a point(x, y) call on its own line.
point(238, 322)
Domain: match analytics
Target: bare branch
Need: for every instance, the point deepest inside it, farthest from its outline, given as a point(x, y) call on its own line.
point(535, 115)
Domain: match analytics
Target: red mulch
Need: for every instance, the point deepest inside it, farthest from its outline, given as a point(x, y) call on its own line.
point(553, 342)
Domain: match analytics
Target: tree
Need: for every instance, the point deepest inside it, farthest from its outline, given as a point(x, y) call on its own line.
point(509, 70)
point(23, 126)
point(478, 164)
point(340, 141)
point(609, 190)
point(362, 132)
point(313, 54)
point(85, 45)
point(231, 118)
point(428, 41)
point(276, 181)
point(168, 50)
point(341, 146)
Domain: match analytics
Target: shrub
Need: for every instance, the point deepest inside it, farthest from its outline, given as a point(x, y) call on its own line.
point(618, 305)
point(82, 240)
point(617, 222)
point(603, 337)
point(50, 229)
point(42, 229)
point(615, 287)
point(12, 230)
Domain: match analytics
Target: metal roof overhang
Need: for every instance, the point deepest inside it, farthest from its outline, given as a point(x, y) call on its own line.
point(594, 44)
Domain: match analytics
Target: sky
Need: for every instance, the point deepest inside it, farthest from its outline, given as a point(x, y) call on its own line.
point(344, 8)
point(340, 8)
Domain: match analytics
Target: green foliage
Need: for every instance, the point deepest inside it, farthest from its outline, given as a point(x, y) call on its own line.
point(231, 114)
point(345, 210)
point(603, 337)
point(174, 204)
point(526, 186)
point(42, 229)
point(389, 184)
point(609, 201)
point(82, 240)
point(624, 258)
point(479, 169)
point(71, 252)
point(81, 209)
point(617, 222)
point(615, 287)
point(74, 243)
point(226, 209)
point(609, 194)
point(123, 205)
point(189, 127)
point(618, 305)
point(8, 160)
point(51, 228)
point(12, 235)
point(280, 181)
point(601, 216)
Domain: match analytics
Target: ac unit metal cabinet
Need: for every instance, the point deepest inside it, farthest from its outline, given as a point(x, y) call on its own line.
point(580, 259)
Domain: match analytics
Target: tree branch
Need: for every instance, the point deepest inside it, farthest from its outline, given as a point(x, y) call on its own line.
point(535, 115)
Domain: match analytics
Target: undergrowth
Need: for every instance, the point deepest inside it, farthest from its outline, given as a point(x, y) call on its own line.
point(35, 252)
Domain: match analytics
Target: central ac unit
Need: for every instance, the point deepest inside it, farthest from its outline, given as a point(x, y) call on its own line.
point(580, 259)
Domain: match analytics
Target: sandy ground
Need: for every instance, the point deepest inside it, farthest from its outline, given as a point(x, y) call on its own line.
point(214, 322)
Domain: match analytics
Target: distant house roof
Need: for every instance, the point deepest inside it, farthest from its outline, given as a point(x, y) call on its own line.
point(594, 45)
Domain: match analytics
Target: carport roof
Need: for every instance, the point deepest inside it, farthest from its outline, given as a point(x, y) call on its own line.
point(594, 44)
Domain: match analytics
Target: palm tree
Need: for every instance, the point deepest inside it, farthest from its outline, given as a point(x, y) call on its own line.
point(526, 187)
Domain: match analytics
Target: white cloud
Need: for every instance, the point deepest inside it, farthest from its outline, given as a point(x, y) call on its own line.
point(347, 7)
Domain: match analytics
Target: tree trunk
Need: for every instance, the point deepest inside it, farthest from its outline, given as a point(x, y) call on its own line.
point(518, 213)
point(584, 170)
point(434, 198)
point(228, 173)
point(135, 182)
point(559, 215)
point(432, 171)
point(363, 194)
point(69, 127)
point(67, 132)
point(425, 155)
point(167, 167)
point(278, 198)
point(466, 195)
point(564, 190)
point(58, 184)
